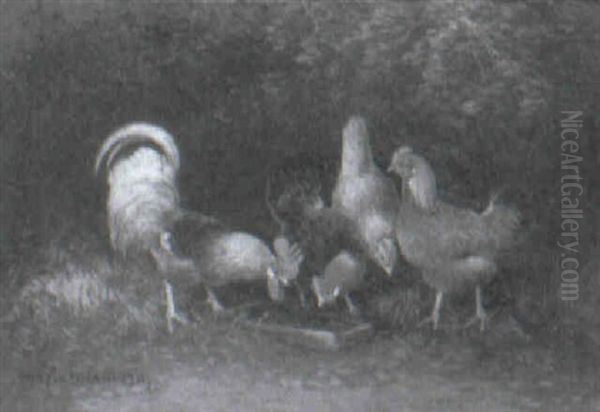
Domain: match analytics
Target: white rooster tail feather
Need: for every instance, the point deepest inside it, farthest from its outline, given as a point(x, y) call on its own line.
point(143, 196)
point(135, 134)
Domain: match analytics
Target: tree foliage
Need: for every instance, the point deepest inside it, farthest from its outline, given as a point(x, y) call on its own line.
point(476, 86)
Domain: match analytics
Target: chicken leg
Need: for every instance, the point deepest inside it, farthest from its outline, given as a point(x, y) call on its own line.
point(171, 312)
point(435, 314)
point(301, 296)
point(213, 301)
point(352, 309)
point(480, 314)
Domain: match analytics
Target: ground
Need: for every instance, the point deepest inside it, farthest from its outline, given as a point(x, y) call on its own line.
point(217, 365)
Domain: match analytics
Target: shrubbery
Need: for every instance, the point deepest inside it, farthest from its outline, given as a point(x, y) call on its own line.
point(477, 87)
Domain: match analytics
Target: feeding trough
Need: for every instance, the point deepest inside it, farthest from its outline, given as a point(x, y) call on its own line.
point(311, 329)
point(329, 339)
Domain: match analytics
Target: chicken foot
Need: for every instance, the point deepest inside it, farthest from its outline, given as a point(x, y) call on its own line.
point(480, 314)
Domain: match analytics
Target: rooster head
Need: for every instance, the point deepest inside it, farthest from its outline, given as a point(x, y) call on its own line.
point(418, 179)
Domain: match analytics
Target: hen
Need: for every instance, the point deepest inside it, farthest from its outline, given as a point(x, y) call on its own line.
point(330, 243)
point(344, 274)
point(294, 184)
point(217, 256)
point(366, 196)
point(453, 247)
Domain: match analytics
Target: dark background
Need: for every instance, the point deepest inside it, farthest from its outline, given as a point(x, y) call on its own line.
point(478, 88)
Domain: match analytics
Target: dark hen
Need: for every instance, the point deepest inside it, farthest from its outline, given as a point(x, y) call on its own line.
point(453, 247)
point(333, 251)
point(366, 196)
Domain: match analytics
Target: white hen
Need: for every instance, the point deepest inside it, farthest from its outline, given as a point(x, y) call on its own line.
point(365, 195)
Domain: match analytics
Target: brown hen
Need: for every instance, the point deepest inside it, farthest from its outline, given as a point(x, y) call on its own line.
point(453, 247)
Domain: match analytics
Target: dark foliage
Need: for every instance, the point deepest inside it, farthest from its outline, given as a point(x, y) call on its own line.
point(477, 87)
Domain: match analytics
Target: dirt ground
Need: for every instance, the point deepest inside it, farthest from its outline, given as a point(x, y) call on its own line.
point(216, 365)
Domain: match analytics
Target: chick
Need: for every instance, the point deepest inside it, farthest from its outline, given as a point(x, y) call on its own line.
point(344, 274)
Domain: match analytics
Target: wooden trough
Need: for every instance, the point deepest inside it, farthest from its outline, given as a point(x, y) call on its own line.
point(328, 339)
point(312, 330)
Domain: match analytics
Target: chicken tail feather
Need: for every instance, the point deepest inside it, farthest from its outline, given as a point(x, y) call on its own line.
point(132, 135)
point(141, 161)
point(502, 221)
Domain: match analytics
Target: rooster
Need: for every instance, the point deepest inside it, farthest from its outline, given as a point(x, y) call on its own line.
point(141, 162)
point(453, 247)
point(366, 196)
